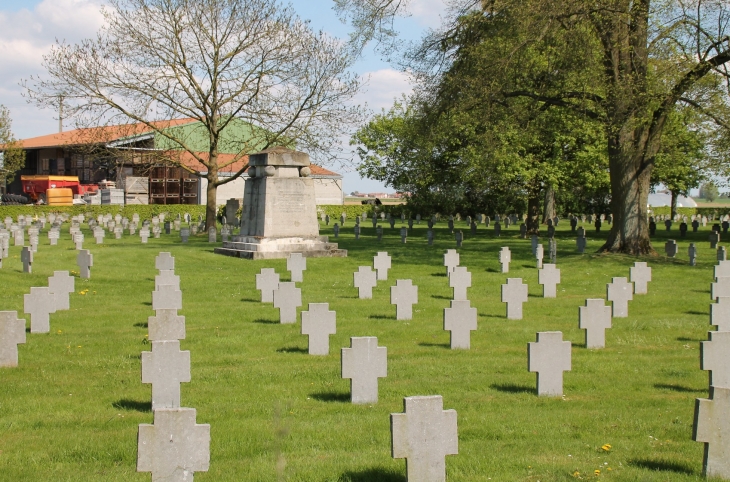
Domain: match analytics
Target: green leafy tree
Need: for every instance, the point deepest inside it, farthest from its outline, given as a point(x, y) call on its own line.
point(13, 156)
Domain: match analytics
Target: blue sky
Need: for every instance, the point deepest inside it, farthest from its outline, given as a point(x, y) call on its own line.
point(29, 27)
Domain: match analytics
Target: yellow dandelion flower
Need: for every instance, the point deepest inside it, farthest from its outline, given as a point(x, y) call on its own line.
point(606, 447)
point(609, 469)
point(576, 474)
point(596, 472)
point(78, 346)
point(59, 332)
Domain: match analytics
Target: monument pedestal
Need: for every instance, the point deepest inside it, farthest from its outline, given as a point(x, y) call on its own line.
point(279, 215)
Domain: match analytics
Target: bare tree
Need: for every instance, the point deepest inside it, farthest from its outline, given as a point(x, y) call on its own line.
point(12, 156)
point(219, 62)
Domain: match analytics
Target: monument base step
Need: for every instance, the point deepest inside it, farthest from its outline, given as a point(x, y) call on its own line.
point(310, 253)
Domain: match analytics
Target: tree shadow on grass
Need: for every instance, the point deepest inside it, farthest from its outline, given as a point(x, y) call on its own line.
point(266, 322)
point(292, 349)
point(126, 404)
point(661, 465)
point(512, 388)
point(678, 388)
point(439, 345)
point(331, 397)
point(377, 474)
point(141, 324)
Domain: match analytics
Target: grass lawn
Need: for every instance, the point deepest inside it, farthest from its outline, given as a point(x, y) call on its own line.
point(70, 411)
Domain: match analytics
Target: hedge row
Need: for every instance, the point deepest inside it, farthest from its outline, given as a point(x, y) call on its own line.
point(665, 210)
point(145, 211)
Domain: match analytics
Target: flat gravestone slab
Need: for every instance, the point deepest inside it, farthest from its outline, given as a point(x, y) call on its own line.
point(715, 357)
point(640, 276)
point(165, 261)
point(365, 279)
point(403, 295)
point(296, 264)
point(460, 319)
point(514, 293)
point(549, 357)
point(167, 277)
point(85, 261)
point(12, 333)
point(619, 292)
point(318, 322)
point(266, 282)
point(174, 447)
point(61, 285)
point(460, 280)
point(549, 278)
point(165, 367)
point(287, 297)
point(451, 260)
point(39, 304)
point(424, 435)
point(166, 325)
point(505, 256)
point(595, 318)
point(720, 313)
point(166, 297)
point(381, 263)
point(712, 427)
point(363, 363)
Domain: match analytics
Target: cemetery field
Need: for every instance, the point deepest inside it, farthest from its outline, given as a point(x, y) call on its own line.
point(71, 410)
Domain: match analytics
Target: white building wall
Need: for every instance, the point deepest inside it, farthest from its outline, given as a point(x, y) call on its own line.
point(326, 191)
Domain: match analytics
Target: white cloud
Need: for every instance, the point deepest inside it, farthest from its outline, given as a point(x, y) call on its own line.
point(382, 88)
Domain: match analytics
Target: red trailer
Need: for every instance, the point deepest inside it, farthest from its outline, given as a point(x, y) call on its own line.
point(35, 187)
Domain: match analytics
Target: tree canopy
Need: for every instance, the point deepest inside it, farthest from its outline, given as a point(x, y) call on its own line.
point(12, 156)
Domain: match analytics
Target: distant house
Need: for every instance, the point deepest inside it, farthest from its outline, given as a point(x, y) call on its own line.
point(116, 152)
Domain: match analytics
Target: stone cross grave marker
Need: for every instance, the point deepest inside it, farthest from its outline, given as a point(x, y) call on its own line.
point(33, 240)
point(365, 279)
point(539, 255)
point(53, 235)
point(721, 253)
point(336, 230)
point(166, 325)
point(99, 234)
point(174, 447)
point(640, 275)
point(460, 319)
point(451, 261)
point(166, 297)
point(497, 229)
point(379, 232)
point(722, 269)
point(212, 235)
point(514, 293)
point(363, 363)
point(85, 261)
point(78, 239)
point(460, 280)
point(356, 230)
point(403, 234)
point(165, 367)
point(720, 314)
point(429, 237)
point(5, 243)
point(403, 295)
point(26, 256)
point(39, 304)
point(167, 277)
point(619, 292)
point(118, 231)
point(144, 235)
point(12, 333)
point(287, 297)
point(19, 237)
point(712, 426)
point(424, 435)
point(185, 234)
point(296, 264)
point(695, 225)
point(505, 256)
point(549, 278)
point(459, 238)
point(391, 221)
point(61, 285)
point(553, 250)
point(267, 281)
point(720, 288)
point(581, 242)
point(595, 318)
point(670, 248)
point(381, 263)
point(165, 261)
point(533, 242)
point(714, 238)
point(319, 323)
point(167, 227)
point(549, 356)
point(714, 357)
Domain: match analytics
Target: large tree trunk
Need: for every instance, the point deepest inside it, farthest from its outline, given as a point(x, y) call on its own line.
point(549, 206)
point(675, 195)
point(211, 207)
point(533, 214)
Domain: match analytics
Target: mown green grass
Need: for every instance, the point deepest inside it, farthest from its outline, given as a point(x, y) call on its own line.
point(70, 411)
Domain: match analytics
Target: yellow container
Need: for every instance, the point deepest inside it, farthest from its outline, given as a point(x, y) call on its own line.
point(61, 196)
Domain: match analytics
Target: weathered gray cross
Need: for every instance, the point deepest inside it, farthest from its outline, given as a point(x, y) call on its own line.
point(26, 256)
point(118, 231)
point(99, 235)
point(595, 318)
point(167, 277)
point(451, 260)
point(514, 293)
point(266, 282)
point(712, 426)
point(12, 333)
point(460, 280)
point(720, 313)
point(722, 269)
point(61, 285)
point(166, 297)
point(39, 304)
point(505, 256)
point(166, 325)
point(460, 320)
point(79, 241)
point(539, 255)
point(144, 235)
point(424, 435)
point(715, 357)
point(403, 295)
point(549, 278)
point(33, 240)
point(549, 356)
point(364, 279)
point(287, 297)
point(381, 263)
point(165, 261)
point(363, 363)
point(720, 288)
point(296, 264)
point(403, 234)
point(319, 323)
point(165, 367)
point(640, 275)
point(670, 248)
point(174, 447)
point(85, 260)
point(619, 292)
